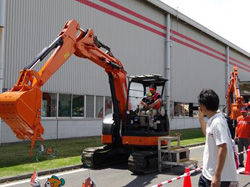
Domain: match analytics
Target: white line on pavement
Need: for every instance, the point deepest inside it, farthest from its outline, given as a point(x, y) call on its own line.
point(43, 177)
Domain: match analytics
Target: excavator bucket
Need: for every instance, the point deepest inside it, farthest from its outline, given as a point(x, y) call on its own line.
point(21, 111)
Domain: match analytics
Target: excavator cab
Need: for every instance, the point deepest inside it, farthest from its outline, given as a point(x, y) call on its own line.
point(140, 120)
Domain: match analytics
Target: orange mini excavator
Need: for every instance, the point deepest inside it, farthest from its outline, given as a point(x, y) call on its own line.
point(234, 100)
point(126, 133)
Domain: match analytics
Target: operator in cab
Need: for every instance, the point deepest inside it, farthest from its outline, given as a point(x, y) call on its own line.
point(151, 104)
point(155, 101)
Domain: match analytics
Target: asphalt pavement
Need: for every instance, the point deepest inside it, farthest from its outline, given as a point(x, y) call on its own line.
point(120, 176)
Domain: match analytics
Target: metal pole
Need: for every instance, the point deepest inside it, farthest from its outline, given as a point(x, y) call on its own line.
point(167, 63)
point(2, 51)
point(227, 71)
point(57, 115)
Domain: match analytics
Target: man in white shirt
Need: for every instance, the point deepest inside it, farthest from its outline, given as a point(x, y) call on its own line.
point(219, 168)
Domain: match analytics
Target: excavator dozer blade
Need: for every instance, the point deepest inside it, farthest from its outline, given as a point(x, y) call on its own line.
point(21, 111)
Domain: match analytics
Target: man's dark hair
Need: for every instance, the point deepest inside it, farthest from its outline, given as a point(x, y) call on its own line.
point(209, 99)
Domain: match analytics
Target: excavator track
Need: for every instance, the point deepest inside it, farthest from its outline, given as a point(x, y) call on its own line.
point(98, 157)
point(143, 162)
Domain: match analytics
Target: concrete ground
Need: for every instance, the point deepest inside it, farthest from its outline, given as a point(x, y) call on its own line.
point(121, 176)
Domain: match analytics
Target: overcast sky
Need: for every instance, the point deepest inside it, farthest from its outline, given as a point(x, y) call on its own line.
point(228, 18)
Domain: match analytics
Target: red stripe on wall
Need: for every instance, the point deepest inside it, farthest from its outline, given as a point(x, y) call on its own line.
point(196, 42)
point(117, 15)
point(124, 9)
point(110, 12)
point(239, 62)
point(196, 48)
point(205, 52)
point(237, 65)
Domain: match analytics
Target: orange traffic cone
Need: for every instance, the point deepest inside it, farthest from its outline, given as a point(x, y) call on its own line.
point(187, 179)
point(247, 165)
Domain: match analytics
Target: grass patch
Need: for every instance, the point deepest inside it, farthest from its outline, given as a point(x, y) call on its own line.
point(189, 136)
point(15, 159)
point(39, 166)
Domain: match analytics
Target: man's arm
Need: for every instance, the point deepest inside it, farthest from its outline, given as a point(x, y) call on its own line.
point(155, 103)
point(221, 157)
point(202, 122)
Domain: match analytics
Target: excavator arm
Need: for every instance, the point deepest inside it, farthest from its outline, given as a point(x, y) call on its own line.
point(20, 108)
point(234, 99)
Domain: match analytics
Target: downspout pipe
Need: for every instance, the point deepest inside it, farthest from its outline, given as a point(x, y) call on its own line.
point(227, 71)
point(167, 64)
point(2, 51)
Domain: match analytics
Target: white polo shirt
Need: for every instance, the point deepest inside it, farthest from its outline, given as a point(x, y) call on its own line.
point(217, 133)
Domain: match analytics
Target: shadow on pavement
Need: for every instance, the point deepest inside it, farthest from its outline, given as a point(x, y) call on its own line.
point(142, 180)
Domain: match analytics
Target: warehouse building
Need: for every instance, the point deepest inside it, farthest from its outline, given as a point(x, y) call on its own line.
point(147, 36)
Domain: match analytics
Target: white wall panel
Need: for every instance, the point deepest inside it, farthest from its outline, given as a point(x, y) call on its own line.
point(50, 129)
point(197, 37)
point(197, 60)
point(38, 23)
point(193, 71)
point(184, 123)
point(243, 64)
point(7, 135)
point(64, 129)
point(69, 129)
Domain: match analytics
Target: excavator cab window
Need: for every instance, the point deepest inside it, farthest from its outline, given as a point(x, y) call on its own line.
point(136, 93)
point(138, 117)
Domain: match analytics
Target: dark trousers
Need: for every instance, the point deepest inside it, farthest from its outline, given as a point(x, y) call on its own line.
point(203, 182)
point(243, 142)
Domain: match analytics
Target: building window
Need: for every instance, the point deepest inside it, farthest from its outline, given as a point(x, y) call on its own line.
point(90, 106)
point(108, 105)
point(49, 102)
point(64, 105)
point(78, 106)
point(99, 107)
point(181, 109)
point(193, 110)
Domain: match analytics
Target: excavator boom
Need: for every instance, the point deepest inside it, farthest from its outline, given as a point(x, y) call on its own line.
point(234, 99)
point(20, 107)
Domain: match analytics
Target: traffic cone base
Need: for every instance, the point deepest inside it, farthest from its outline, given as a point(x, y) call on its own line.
point(187, 179)
point(247, 165)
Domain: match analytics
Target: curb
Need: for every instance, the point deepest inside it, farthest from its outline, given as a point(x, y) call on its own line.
point(40, 173)
point(194, 145)
point(46, 172)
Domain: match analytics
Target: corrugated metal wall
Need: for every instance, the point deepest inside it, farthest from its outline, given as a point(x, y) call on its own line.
point(32, 25)
point(135, 30)
point(194, 66)
point(243, 63)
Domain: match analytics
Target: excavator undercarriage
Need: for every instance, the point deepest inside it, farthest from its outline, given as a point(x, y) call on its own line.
point(104, 156)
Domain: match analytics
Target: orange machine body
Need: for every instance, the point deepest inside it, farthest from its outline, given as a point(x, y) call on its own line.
point(20, 108)
point(234, 99)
